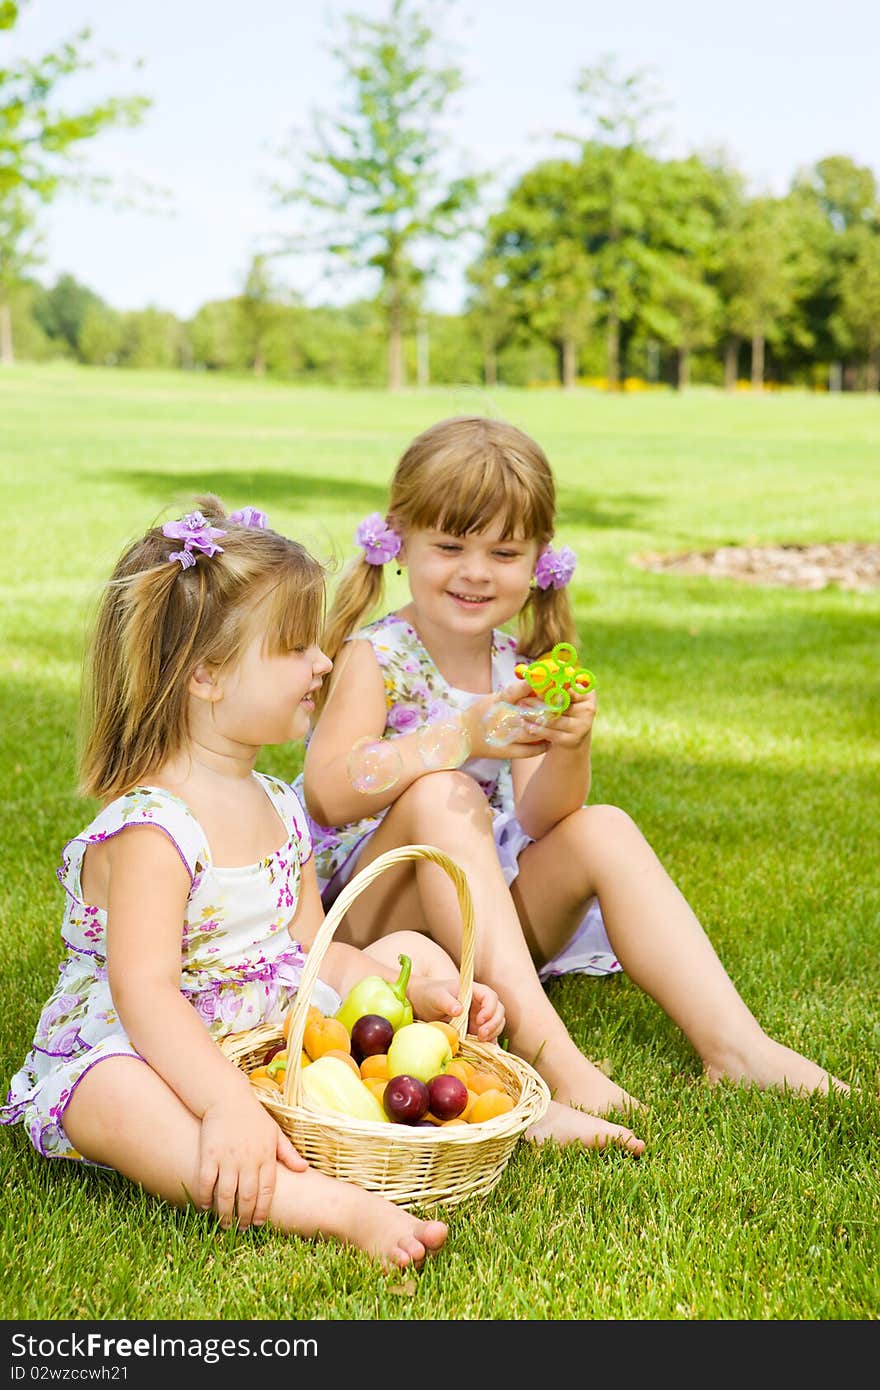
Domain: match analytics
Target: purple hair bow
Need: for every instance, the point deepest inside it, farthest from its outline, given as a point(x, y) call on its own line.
point(250, 516)
point(379, 541)
point(197, 533)
point(555, 567)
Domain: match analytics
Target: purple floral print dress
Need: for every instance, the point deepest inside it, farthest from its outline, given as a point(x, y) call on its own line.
point(417, 694)
point(239, 964)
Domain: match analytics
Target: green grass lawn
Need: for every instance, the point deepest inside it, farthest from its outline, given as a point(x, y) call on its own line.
point(738, 725)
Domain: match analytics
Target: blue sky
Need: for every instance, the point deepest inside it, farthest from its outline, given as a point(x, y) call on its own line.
point(778, 84)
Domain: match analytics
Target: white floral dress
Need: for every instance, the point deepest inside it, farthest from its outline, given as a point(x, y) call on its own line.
point(417, 694)
point(239, 964)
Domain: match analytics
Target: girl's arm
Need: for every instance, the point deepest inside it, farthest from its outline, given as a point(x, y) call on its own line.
point(355, 709)
point(240, 1143)
point(549, 788)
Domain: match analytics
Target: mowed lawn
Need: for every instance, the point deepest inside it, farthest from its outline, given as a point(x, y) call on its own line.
point(738, 725)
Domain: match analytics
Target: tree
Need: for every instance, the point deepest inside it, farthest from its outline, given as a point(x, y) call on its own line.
point(617, 169)
point(535, 250)
point(858, 319)
point(376, 179)
point(840, 206)
point(765, 264)
point(258, 313)
point(689, 204)
point(40, 141)
point(19, 250)
point(61, 310)
point(490, 306)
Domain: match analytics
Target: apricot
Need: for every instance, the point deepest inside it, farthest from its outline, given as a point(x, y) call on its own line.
point(375, 1066)
point(481, 1081)
point(377, 1085)
point(261, 1074)
point(471, 1102)
point(343, 1057)
point(460, 1068)
point(488, 1105)
point(312, 1016)
point(326, 1035)
point(450, 1033)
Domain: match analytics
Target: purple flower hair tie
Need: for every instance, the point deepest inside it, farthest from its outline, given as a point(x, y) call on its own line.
point(197, 534)
point(380, 543)
point(252, 517)
point(555, 567)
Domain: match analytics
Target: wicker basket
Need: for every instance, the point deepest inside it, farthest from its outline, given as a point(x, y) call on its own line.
point(416, 1167)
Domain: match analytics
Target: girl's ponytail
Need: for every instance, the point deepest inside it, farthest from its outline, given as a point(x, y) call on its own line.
point(545, 619)
point(133, 693)
point(358, 592)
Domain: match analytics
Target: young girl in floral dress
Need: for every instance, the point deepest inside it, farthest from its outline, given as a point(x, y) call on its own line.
point(191, 898)
point(425, 734)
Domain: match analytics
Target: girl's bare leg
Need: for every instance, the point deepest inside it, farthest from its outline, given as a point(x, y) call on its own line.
point(448, 810)
point(656, 938)
point(158, 1148)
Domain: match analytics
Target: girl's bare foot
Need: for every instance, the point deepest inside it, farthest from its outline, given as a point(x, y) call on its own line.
point(313, 1204)
point(396, 1238)
point(590, 1089)
point(566, 1125)
point(769, 1065)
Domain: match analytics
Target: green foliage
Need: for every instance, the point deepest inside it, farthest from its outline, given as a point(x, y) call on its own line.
point(40, 144)
point(61, 310)
point(376, 175)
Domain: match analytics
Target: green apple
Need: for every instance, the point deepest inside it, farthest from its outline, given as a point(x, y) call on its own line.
point(419, 1050)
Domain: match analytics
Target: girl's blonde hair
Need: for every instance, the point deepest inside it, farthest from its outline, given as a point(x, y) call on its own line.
point(460, 476)
point(157, 621)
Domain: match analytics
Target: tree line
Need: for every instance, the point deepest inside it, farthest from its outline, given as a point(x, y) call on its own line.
point(611, 262)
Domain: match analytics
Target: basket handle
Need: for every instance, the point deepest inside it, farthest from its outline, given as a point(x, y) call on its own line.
point(317, 951)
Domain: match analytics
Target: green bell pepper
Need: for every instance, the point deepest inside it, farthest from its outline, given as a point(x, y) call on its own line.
point(373, 995)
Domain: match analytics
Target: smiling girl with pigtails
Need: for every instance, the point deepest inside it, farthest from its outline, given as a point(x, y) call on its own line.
point(426, 735)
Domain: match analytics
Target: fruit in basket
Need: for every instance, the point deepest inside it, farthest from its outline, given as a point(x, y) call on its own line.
point(278, 1065)
point(447, 1096)
point(481, 1081)
point(330, 1084)
point(420, 1050)
point(405, 1099)
point(323, 1035)
point(488, 1105)
point(375, 1066)
point(375, 995)
point(460, 1068)
point(449, 1032)
point(312, 1016)
point(345, 1057)
point(371, 1033)
point(262, 1074)
point(377, 1085)
point(273, 1052)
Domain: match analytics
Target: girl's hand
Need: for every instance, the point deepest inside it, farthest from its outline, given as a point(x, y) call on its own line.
point(492, 711)
point(572, 729)
point(486, 1020)
point(438, 999)
point(240, 1146)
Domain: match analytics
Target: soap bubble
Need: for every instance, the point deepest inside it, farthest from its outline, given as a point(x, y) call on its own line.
point(443, 744)
point(503, 724)
point(374, 765)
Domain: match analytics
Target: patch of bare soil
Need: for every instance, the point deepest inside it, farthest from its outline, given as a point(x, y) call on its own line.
point(853, 565)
